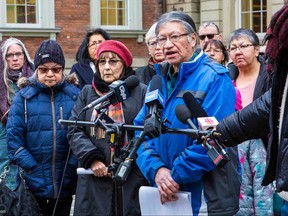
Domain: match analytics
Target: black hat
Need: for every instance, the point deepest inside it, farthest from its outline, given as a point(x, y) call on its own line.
point(49, 51)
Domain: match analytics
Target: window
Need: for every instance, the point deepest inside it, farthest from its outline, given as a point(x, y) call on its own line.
point(21, 11)
point(116, 14)
point(27, 18)
point(113, 12)
point(253, 15)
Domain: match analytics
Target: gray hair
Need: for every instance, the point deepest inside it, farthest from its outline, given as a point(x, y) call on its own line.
point(151, 33)
point(206, 24)
point(244, 33)
point(177, 16)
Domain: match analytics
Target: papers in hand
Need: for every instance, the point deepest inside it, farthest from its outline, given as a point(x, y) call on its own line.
point(150, 203)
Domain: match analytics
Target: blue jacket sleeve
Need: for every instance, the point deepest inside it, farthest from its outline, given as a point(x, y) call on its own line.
point(16, 135)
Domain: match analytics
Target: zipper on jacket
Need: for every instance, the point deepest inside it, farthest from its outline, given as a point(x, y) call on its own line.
point(61, 117)
point(54, 146)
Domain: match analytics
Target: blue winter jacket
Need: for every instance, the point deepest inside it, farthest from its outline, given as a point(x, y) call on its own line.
point(33, 124)
point(189, 163)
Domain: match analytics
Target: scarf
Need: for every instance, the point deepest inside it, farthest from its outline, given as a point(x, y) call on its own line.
point(12, 77)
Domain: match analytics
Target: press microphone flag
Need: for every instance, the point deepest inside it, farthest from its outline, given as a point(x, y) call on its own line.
point(207, 123)
point(155, 96)
point(154, 100)
point(119, 91)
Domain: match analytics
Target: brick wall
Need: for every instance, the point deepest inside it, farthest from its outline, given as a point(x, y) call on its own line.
point(73, 17)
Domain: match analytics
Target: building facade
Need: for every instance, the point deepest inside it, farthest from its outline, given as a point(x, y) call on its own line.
point(67, 21)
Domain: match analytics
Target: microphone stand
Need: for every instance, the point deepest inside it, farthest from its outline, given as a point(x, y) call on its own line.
point(123, 159)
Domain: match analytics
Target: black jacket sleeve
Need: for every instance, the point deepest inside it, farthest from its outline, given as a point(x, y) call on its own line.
point(252, 122)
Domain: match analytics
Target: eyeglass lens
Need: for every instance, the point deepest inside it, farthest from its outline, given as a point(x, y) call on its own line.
point(111, 62)
point(209, 36)
point(11, 55)
point(45, 70)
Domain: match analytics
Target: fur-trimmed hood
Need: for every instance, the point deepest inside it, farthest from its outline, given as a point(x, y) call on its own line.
point(71, 79)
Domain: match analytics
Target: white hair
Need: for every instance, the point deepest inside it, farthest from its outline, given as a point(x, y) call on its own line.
point(151, 33)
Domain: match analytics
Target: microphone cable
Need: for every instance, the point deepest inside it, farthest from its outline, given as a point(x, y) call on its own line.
point(65, 166)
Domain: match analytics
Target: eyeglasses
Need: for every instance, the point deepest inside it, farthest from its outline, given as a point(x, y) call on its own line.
point(213, 50)
point(111, 62)
point(209, 36)
point(45, 70)
point(11, 55)
point(94, 43)
point(152, 44)
point(241, 48)
point(173, 38)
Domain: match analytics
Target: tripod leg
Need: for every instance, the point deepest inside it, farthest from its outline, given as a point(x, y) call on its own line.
point(118, 198)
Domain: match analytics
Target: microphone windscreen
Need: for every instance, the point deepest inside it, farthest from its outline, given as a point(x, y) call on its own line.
point(193, 105)
point(132, 82)
point(182, 113)
point(156, 83)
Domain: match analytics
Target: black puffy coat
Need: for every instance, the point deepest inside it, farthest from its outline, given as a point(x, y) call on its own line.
point(259, 118)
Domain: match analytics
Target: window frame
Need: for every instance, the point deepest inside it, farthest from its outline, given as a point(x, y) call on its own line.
point(239, 20)
point(134, 16)
point(45, 27)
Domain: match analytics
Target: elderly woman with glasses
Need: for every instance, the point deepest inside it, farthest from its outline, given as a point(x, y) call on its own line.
point(216, 50)
point(96, 194)
point(34, 132)
point(15, 63)
point(146, 73)
point(86, 56)
point(250, 77)
point(174, 162)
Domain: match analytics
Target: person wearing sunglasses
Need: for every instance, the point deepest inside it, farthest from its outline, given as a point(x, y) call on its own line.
point(250, 77)
point(208, 31)
point(15, 63)
point(174, 162)
point(95, 194)
point(86, 56)
point(44, 99)
point(146, 73)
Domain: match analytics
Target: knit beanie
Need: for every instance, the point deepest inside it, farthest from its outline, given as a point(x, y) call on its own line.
point(49, 51)
point(118, 48)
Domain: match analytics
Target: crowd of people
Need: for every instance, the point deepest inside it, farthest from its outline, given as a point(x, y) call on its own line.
point(243, 88)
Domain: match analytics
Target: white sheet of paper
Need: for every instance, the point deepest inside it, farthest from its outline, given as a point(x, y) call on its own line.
point(150, 204)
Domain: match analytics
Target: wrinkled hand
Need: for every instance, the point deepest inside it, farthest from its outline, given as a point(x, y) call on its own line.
point(166, 185)
point(99, 169)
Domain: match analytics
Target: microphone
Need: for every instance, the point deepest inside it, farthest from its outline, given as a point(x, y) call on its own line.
point(193, 105)
point(196, 110)
point(183, 114)
point(215, 151)
point(119, 91)
point(154, 100)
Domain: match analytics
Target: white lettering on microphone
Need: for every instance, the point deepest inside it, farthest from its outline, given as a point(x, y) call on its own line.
point(123, 92)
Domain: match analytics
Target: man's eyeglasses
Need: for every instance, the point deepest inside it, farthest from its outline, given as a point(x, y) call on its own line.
point(45, 70)
point(94, 43)
point(209, 36)
point(213, 50)
point(241, 48)
point(111, 62)
point(173, 38)
point(11, 55)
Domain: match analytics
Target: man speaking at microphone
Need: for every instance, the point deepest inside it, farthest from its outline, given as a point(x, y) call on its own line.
point(95, 194)
point(173, 162)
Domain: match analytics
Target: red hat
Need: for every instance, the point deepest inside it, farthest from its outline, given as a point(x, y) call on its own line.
point(118, 48)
